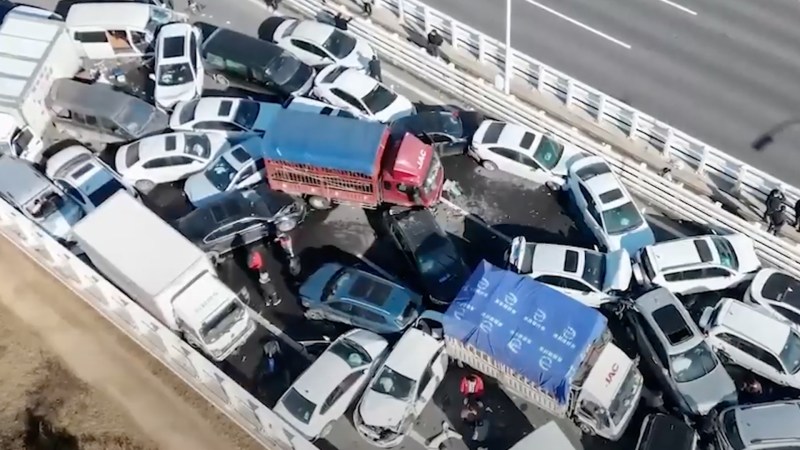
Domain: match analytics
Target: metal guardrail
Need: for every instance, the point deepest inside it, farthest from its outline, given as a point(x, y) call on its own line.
point(661, 192)
point(724, 171)
point(194, 369)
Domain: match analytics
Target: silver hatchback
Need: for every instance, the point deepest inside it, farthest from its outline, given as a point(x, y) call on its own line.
point(675, 349)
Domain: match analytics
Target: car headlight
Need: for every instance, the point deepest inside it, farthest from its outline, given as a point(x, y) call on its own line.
point(285, 225)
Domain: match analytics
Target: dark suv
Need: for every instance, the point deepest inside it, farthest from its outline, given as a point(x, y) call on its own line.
point(433, 256)
point(242, 61)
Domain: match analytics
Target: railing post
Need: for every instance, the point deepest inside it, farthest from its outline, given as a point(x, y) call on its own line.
point(401, 11)
point(426, 19)
point(481, 47)
point(540, 77)
point(453, 33)
point(601, 108)
point(737, 187)
point(634, 124)
point(568, 95)
point(701, 166)
point(666, 152)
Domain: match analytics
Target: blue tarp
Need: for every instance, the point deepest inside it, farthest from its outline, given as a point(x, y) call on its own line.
point(324, 141)
point(527, 326)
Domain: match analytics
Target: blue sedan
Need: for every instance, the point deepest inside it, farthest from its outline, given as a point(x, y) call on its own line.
point(359, 298)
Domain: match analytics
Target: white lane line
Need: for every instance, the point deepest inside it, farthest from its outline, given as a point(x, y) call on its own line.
point(679, 7)
point(579, 24)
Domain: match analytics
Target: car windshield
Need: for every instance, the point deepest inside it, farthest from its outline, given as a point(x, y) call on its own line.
point(351, 353)
point(247, 113)
point(197, 145)
point(626, 396)
point(594, 270)
point(379, 98)
point(221, 174)
point(175, 74)
point(105, 191)
point(692, 364)
point(790, 355)
point(187, 112)
point(339, 44)
point(436, 259)
point(731, 430)
point(727, 255)
point(548, 153)
point(393, 384)
point(44, 205)
point(220, 323)
point(335, 283)
point(135, 116)
point(300, 407)
point(622, 219)
point(282, 68)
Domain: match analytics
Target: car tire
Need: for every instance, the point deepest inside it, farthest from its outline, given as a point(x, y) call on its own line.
point(319, 203)
point(144, 186)
point(488, 165)
point(221, 80)
point(313, 315)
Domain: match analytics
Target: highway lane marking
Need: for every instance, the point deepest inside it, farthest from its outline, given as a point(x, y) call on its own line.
point(679, 7)
point(580, 24)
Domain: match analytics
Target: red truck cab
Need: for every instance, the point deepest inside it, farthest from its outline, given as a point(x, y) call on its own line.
point(330, 160)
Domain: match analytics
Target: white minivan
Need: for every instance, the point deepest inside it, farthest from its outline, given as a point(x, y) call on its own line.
point(117, 30)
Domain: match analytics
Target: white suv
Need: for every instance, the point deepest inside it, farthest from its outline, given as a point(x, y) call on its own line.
point(751, 338)
point(697, 264)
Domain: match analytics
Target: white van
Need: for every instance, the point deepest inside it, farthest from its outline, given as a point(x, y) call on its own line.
point(117, 30)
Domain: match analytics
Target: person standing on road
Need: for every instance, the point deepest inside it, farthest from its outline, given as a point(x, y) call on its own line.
point(341, 22)
point(268, 291)
point(435, 41)
point(797, 215)
point(272, 4)
point(774, 199)
point(374, 68)
point(471, 387)
point(777, 219)
point(366, 6)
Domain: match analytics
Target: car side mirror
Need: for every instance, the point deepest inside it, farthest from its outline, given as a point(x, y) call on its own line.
point(705, 317)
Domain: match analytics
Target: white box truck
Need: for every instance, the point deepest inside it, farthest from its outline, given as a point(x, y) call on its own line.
point(165, 274)
point(36, 51)
point(542, 346)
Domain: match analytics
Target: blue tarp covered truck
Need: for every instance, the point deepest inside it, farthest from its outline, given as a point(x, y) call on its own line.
point(543, 347)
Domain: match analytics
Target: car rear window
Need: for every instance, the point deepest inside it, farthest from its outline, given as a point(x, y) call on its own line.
point(592, 170)
point(527, 140)
point(132, 155)
point(703, 250)
point(571, 261)
point(82, 171)
point(331, 77)
point(610, 196)
point(368, 290)
point(225, 107)
point(173, 47)
point(493, 132)
point(671, 322)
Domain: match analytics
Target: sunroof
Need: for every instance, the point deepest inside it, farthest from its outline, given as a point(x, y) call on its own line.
point(703, 250)
point(367, 290)
point(671, 322)
point(225, 107)
point(610, 196)
point(571, 261)
point(593, 170)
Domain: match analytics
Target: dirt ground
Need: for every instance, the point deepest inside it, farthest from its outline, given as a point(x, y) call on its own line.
point(70, 381)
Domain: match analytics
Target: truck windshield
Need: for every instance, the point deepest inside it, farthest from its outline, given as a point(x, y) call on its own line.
point(221, 323)
point(220, 174)
point(429, 184)
point(626, 397)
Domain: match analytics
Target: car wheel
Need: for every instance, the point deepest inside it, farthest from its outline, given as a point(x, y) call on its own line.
point(313, 315)
point(144, 186)
point(221, 80)
point(488, 165)
point(319, 203)
point(326, 430)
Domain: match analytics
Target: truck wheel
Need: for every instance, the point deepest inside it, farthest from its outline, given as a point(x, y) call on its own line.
point(488, 165)
point(319, 203)
point(586, 430)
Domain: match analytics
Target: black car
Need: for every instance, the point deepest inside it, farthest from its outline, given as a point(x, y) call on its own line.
point(448, 130)
point(433, 256)
point(238, 60)
point(241, 217)
point(663, 432)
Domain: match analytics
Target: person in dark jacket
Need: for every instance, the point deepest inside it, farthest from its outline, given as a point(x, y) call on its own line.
point(375, 68)
point(341, 22)
point(797, 215)
point(774, 199)
point(435, 41)
point(776, 219)
point(366, 6)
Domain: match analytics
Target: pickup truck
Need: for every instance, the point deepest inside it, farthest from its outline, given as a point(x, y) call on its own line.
point(541, 346)
point(330, 160)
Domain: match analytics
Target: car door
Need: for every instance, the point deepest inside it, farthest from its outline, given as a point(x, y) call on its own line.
point(196, 62)
point(591, 216)
point(718, 278)
point(249, 175)
point(505, 160)
point(534, 171)
point(370, 320)
point(339, 311)
point(308, 52)
point(574, 288)
point(430, 380)
point(167, 169)
point(686, 281)
point(400, 241)
point(745, 354)
point(346, 101)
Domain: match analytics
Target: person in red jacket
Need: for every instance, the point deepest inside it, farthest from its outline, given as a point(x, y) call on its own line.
point(471, 387)
point(256, 263)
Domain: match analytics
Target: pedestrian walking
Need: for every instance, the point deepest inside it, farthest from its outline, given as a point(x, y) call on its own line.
point(375, 68)
point(797, 215)
point(435, 41)
point(268, 291)
point(448, 432)
point(776, 220)
point(341, 22)
point(366, 6)
point(774, 199)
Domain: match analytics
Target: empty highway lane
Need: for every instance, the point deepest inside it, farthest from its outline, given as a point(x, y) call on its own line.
point(725, 71)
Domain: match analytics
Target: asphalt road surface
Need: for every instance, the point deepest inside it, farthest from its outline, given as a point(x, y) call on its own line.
point(724, 71)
